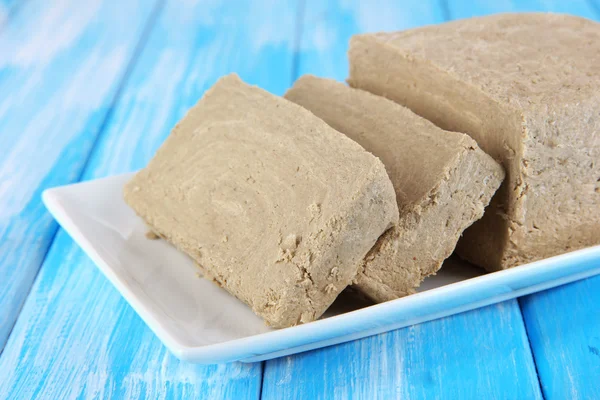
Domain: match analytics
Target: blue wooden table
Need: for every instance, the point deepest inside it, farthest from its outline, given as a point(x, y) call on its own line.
point(91, 88)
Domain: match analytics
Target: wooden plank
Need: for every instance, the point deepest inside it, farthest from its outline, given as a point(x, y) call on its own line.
point(564, 331)
point(328, 26)
point(60, 67)
point(6, 8)
point(479, 354)
point(563, 324)
point(76, 337)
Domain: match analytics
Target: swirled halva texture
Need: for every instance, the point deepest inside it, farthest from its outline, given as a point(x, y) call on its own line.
point(273, 204)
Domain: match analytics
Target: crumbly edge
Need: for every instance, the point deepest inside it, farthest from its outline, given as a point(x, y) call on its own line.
point(406, 255)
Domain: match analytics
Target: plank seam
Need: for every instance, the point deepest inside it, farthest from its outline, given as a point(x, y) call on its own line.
point(445, 7)
point(128, 69)
point(298, 32)
point(531, 352)
point(123, 83)
point(595, 6)
point(263, 365)
point(46, 251)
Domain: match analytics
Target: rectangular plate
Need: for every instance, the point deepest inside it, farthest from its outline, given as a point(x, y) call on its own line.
point(201, 323)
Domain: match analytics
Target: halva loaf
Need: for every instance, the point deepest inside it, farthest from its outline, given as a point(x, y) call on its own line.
point(526, 87)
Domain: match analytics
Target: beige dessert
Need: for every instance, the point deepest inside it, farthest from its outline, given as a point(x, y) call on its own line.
point(272, 203)
point(526, 87)
point(442, 180)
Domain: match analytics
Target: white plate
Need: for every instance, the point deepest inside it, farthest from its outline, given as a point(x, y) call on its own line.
point(200, 322)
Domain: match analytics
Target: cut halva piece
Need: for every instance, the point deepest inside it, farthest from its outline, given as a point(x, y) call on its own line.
point(526, 87)
point(443, 181)
point(272, 204)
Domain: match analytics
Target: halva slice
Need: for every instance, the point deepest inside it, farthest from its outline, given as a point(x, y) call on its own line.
point(271, 203)
point(443, 181)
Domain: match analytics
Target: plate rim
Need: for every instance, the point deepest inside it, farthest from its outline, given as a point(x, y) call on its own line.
point(331, 330)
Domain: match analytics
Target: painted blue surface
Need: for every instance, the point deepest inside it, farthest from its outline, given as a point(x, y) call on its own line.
point(481, 354)
point(7, 7)
point(61, 63)
point(469, 293)
point(10, 3)
point(465, 9)
point(328, 26)
point(563, 325)
point(76, 336)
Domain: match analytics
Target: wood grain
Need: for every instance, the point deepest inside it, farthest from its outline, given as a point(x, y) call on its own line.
point(563, 324)
point(481, 354)
point(61, 62)
point(76, 337)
